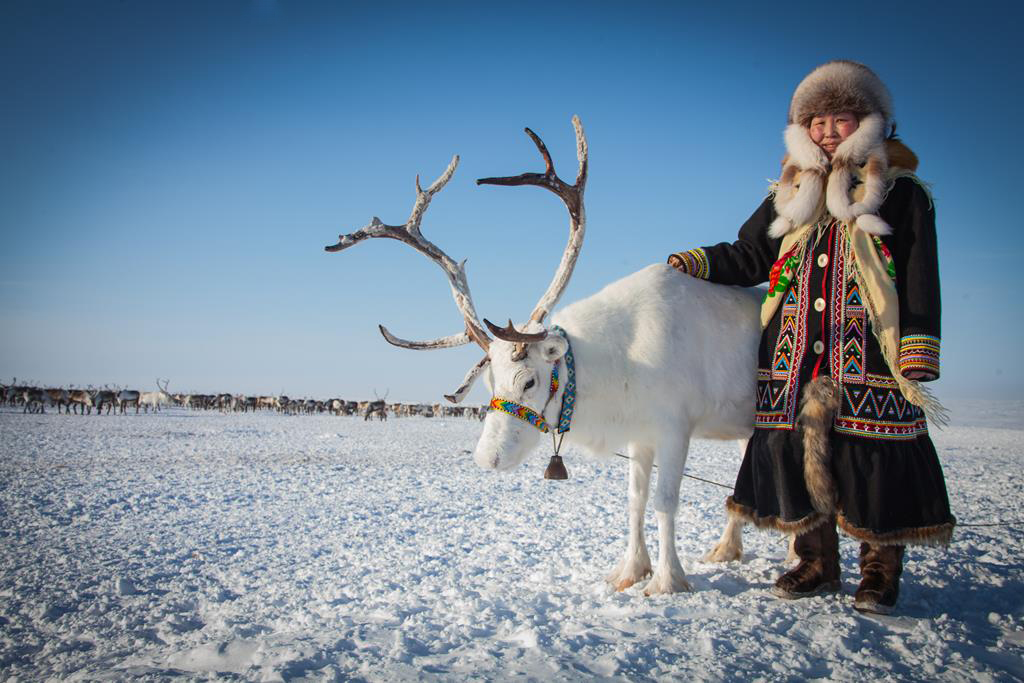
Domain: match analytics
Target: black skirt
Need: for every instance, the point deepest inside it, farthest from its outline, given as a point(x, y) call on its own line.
point(888, 491)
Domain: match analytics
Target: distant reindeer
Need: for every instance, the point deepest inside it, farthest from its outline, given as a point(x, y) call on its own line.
point(157, 398)
point(80, 401)
point(104, 397)
point(35, 400)
point(58, 397)
point(225, 402)
point(268, 402)
point(128, 397)
point(377, 407)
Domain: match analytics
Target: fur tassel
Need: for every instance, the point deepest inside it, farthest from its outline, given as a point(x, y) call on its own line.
point(875, 185)
point(873, 225)
point(818, 407)
point(802, 206)
point(780, 227)
point(802, 150)
point(806, 205)
point(837, 194)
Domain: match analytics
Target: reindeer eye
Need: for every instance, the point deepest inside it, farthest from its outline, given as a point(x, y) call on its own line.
point(529, 385)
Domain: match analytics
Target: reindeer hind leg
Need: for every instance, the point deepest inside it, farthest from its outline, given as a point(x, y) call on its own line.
point(730, 545)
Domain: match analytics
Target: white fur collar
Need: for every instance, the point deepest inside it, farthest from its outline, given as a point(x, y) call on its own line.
point(798, 196)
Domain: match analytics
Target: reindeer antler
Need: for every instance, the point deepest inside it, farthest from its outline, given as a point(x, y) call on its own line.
point(572, 196)
point(409, 232)
point(509, 333)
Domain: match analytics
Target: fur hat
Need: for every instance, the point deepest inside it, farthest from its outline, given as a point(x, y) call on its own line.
point(837, 86)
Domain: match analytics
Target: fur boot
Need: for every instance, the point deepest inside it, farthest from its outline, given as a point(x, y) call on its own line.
point(818, 571)
point(880, 569)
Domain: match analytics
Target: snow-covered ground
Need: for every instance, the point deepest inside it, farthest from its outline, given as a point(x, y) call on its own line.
point(195, 546)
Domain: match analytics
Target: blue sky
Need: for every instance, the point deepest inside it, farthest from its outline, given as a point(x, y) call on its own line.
point(173, 170)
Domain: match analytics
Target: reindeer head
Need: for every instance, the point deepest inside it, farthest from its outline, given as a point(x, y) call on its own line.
point(518, 363)
point(525, 400)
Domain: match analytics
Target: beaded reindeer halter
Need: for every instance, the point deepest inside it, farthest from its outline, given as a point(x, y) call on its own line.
point(556, 469)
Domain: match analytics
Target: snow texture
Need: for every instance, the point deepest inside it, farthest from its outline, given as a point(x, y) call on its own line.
point(201, 546)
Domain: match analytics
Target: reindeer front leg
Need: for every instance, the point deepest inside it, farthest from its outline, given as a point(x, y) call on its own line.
point(668, 576)
point(636, 563)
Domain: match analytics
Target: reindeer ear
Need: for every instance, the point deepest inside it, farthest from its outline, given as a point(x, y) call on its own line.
point(553, 348)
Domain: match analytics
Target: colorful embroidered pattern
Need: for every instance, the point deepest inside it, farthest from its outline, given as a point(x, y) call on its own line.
point(782, 362)
point(850, 326)
point(522, 412)
point(694, 262)
point(872, 405)
point(775, 407)
point(877, 409)
point(919, 352)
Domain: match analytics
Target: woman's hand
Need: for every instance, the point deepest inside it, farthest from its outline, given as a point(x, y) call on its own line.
point(919, 375)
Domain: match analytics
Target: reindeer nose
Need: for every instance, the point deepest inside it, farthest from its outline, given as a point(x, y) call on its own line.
point(487, 461)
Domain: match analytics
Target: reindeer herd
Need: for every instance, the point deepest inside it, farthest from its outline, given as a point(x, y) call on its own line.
point(82, 401)
point(115, 400)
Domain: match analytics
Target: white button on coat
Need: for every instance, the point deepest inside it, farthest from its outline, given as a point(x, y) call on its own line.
point(819, 304)
point(823, 260)
point(819, 347)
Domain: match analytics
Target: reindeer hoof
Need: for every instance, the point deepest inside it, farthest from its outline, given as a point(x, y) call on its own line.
point(723, 553)
point(624, 584)
point(623, 579)
point(676, 583)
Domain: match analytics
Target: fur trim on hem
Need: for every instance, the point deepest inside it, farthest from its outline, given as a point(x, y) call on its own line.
point(939, 534)
point(799, 526)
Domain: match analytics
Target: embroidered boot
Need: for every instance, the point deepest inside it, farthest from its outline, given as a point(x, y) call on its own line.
point(818, 571)
point(880, 569)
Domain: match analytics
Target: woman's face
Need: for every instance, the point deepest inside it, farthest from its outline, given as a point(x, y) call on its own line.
point(830, 130)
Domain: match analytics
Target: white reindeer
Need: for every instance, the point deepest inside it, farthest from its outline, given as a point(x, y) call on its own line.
point(660, 358)
point(155, 399)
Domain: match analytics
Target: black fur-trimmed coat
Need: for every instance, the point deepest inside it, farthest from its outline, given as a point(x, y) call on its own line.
point(881, 471)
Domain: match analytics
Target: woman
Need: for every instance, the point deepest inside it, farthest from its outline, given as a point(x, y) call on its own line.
point(850, 325)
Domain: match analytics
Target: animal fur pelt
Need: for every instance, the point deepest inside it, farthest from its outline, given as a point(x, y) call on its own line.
point(818, 406)
point(811, 183)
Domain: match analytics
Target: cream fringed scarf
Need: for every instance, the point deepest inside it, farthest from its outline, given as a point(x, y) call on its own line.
point(877, 288)
point(882, 304)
